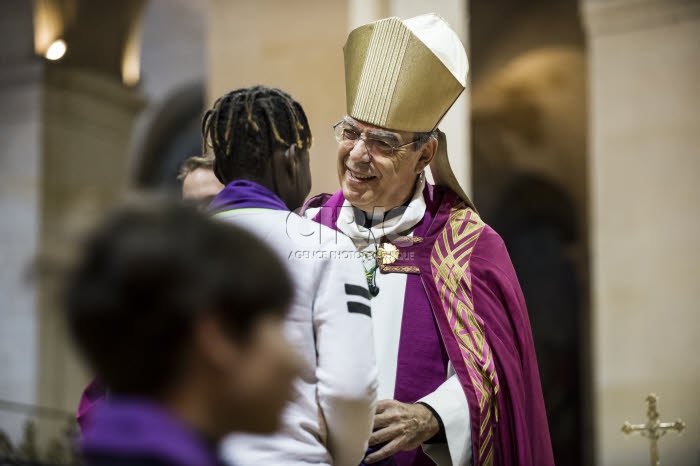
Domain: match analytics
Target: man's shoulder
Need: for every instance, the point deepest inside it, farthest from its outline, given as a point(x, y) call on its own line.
point(313, 235)
point(462, 216)
point(289, 231)
point(469, 223)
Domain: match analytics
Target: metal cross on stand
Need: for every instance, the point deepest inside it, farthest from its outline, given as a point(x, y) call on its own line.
point(653, 429)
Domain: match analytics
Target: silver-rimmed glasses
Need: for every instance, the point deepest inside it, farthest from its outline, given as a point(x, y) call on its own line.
point(375, 145)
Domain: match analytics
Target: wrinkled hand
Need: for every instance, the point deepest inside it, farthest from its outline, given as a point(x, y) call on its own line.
point(403, 426)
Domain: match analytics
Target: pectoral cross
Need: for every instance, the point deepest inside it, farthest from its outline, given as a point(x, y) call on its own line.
point(653, 429)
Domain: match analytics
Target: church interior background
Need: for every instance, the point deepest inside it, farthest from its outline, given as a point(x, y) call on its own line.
point(579, 138)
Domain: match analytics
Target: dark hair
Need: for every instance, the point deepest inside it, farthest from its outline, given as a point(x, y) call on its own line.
point(194, 163)
point(245, 126)
point(144, 277)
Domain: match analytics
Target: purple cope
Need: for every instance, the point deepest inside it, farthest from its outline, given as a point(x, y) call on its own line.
point(463, 302)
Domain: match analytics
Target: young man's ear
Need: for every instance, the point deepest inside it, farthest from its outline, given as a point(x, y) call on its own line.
point(292, 159)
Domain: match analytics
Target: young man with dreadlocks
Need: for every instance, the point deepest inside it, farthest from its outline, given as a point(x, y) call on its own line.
point(261, 139)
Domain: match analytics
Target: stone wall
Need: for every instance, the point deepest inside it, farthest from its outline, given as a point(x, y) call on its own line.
point(645, 159)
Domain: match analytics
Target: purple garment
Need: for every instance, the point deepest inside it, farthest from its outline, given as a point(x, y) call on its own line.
point(422, 354)
point(93, 395)
point(139, 428)
point(244, 194)
point(490, 343)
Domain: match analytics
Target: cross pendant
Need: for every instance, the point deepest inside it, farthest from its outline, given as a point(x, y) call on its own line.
point(653, 429)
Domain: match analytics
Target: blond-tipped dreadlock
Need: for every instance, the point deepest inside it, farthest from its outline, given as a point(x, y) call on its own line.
point(245, 126)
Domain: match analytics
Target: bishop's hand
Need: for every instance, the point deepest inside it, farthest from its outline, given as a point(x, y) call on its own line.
point(402, 426)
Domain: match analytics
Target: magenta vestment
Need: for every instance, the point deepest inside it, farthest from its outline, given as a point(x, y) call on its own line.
point(463, 302)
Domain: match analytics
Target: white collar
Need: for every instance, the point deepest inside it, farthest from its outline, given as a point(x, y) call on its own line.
point(403, 219)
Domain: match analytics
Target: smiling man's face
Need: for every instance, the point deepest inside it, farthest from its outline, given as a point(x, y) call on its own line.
point(373, 180)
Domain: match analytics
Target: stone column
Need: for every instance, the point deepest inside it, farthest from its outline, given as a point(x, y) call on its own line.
point(645, 160)
point(87, 122)
point(20, 155)
point(65, 132)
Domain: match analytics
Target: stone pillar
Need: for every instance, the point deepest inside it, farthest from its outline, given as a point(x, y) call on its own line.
point(645, 135)
point(65, 132)
point(20, 155)
point(87, 121)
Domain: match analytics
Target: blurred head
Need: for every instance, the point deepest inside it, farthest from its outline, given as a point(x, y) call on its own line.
point(261, 134)
point(199, 183)
point(378, 167)
point(167, 304)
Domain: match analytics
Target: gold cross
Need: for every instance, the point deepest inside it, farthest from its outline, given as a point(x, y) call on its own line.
point(653, 429)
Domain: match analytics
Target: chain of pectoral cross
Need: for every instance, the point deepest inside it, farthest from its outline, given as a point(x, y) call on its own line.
point(653, 429)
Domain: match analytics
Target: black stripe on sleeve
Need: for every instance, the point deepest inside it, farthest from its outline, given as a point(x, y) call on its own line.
point(356, 290)
point(359, 308)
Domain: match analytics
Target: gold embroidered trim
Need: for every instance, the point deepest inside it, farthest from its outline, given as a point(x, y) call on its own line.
point(399, 269)
point(407, 239)
point(453, 248)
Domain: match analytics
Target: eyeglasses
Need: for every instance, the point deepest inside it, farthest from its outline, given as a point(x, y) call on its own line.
point(374, 145)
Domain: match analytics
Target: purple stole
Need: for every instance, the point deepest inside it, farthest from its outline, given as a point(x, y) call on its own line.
point(244, 194)
point(133, 428)
point(440, 321)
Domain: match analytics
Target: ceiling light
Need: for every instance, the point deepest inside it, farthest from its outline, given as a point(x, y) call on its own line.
point(56, 50)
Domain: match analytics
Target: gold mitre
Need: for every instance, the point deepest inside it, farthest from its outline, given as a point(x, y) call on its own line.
point(404, 75)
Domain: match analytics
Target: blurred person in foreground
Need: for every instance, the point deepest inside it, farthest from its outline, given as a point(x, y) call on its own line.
point(457, 368)
point(181, 317)
point(199, 183)
point(261, 139)
point(199, 187)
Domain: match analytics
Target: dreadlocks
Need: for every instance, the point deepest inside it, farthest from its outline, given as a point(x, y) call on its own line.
point(245, 126)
